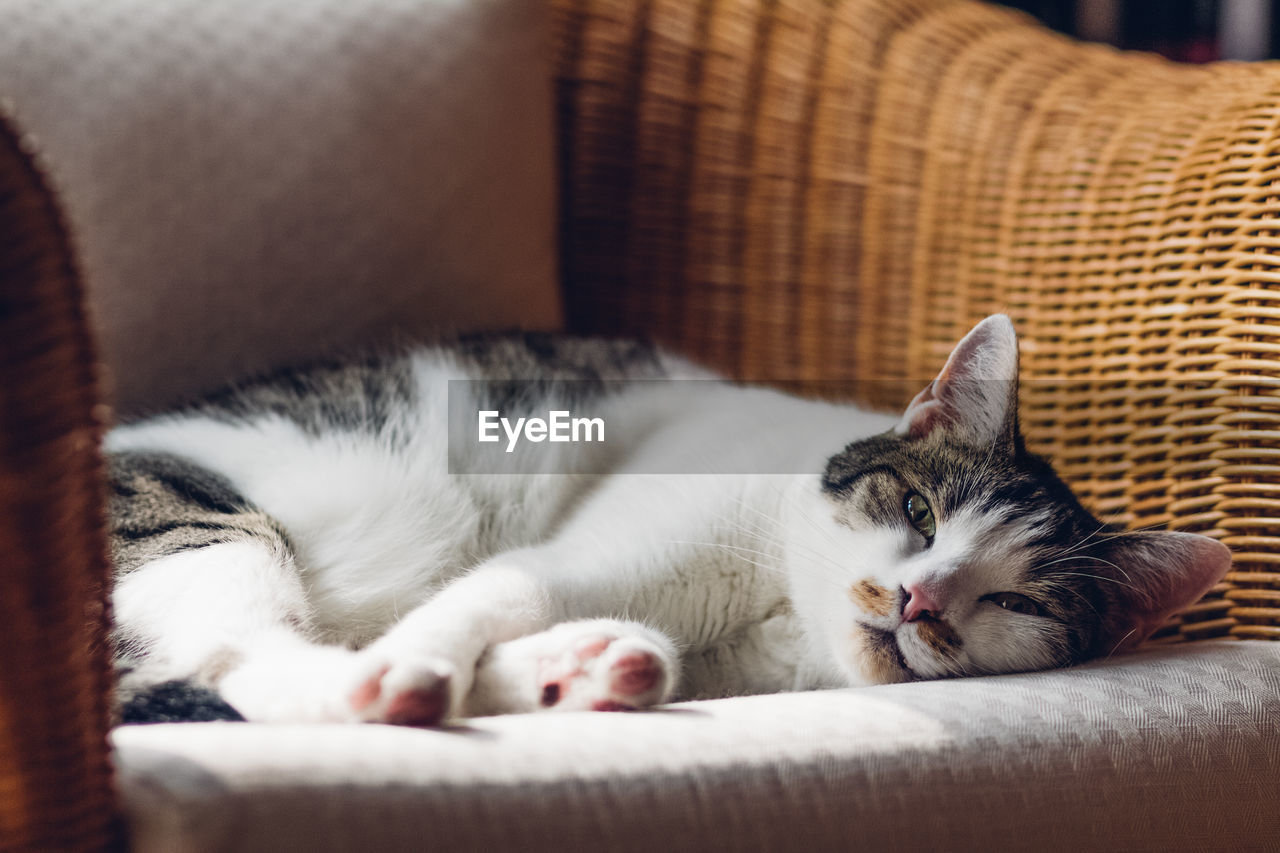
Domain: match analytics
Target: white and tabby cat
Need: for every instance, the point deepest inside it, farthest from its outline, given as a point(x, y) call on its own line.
point(301, 547)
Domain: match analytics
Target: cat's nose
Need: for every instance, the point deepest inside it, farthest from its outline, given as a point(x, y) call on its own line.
point(917, 604)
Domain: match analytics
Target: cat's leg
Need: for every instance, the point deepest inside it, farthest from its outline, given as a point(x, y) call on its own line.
point(592, 664)
point(596, 566)
point(233, 617)
point(434, 648)
point(516, 594)
point(208, 593)
point(205, 613)
point(609, 558)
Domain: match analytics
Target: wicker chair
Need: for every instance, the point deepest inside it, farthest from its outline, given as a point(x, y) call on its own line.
point(792, 191)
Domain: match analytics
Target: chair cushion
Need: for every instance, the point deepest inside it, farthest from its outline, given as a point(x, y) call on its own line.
point(256, 182)
point(1172, 748)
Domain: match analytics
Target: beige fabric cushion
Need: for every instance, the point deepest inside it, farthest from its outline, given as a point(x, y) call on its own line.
point(1175, 748)
point(253, 182)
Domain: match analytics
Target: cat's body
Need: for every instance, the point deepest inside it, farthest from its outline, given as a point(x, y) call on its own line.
point(315, 547)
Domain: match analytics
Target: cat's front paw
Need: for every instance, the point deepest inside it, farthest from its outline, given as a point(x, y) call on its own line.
point(404, 693)
point(597, 665)
point(330, 684)
point(603, 673)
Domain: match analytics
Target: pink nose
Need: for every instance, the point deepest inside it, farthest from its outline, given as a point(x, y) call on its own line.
point(918, 604)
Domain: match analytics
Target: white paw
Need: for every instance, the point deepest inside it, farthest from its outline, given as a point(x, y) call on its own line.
point(603, 673)
point(328, 684)
point(403, 692)
point(599, 665)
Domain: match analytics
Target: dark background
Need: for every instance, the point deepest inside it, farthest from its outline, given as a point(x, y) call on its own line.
point(1186, 30)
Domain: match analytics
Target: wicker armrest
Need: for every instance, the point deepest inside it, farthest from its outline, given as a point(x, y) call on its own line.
point(807, 190)
point(55, 776)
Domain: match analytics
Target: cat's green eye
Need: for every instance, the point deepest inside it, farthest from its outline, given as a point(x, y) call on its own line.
point(919, 515)
point(1014, 602)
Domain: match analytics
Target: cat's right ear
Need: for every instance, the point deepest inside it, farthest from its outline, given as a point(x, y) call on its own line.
point(1153, 575)
point(975, 397)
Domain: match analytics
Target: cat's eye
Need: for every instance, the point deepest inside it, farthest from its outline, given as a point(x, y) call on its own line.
point(1014, 602)
point(919, 515)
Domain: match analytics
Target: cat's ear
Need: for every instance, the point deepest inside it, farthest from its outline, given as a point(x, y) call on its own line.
point(975, 397)
point(1152, 576)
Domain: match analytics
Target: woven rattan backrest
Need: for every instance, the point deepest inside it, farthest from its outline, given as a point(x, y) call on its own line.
point(55, 778)
point(811, 190)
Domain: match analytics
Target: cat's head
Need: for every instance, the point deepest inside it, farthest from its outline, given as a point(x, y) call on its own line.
point(944, 548)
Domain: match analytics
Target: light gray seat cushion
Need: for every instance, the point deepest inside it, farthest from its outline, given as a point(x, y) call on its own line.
point(1172, 748)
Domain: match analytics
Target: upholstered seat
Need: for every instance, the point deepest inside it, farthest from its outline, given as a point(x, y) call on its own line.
point(1160, 751)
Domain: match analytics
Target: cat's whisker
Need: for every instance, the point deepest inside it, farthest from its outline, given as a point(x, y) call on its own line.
point(817, 561)
point(1076, 547)
point(1146, 528)
point(758, 564)
point(838, 572)
point(951, 662)
point(957, 666)
point(1062, 586)
point(1117, 646)
point(749, 527)
point(1123, 573)
point(1075, 557)
point(1102, 578)
point(1108, 537)
point(739, 550)
point(754, 527)
point(806, 517)
point(782, 494)
point(815, 571)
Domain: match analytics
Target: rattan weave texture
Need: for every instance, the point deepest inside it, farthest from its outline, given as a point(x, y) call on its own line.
point(55, 776)
point(817, 190)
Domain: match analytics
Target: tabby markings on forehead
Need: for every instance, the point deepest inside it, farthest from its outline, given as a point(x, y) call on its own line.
point(872, 495)
point(871, 598)
point(847, 486)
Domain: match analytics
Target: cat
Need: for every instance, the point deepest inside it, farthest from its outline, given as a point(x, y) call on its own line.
point(318, 546)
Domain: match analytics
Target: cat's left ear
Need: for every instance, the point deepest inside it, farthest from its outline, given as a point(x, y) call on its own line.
point(975, 397)
point(1150, 577)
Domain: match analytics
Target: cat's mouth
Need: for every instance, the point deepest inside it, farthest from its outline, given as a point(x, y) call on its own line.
point(886, 655)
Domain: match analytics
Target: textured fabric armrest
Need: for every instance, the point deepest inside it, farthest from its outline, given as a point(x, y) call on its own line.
point(253, 184)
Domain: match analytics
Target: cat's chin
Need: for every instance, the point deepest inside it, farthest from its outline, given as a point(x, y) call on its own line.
point(876, 657)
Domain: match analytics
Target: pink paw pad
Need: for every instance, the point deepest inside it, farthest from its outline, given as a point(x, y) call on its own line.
point(368, 691)
point(557, 679)
point(592, 647)
point(610, 705)
point(550, 694)
point(635, 673)
point(418, 707)
point(586, 678)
